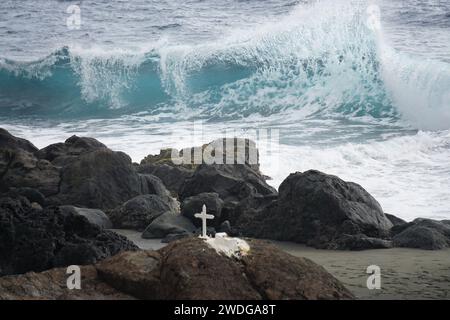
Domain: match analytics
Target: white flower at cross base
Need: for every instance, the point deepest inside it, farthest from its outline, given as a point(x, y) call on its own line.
point(204, 217)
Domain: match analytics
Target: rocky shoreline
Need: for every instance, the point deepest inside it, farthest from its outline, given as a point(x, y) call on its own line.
point(57, 204)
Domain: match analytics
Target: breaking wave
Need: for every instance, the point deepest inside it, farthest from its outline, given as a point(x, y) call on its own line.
point(321, 60)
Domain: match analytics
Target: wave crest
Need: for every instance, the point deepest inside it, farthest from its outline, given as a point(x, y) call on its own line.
point(319, 61)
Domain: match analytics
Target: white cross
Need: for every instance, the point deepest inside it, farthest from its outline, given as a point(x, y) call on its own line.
point(204, 216)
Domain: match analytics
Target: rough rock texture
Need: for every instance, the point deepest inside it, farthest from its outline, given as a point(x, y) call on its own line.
point(137, 213)
point(168, 223)
point(63, 153)
point(254, 216)
point(172, 176)
point(36, 240)
point(194, 204)
point(176, 236)
point(81, 171)
point(31, 194)
point(396, 221)
point(51, 285)
point(94, 216)
point(100, 179)
point(226, 227)
point(361, 242)
point(10, 142)
point(20, 168)
point(186, 269)
point(153, 185)
point(278, 275)
point(225, 150)
point(423, 234)
point(317, 209)
point(230, 182)
point(136, 273)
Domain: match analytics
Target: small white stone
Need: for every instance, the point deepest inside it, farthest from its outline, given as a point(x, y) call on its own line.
point(231, 247)
point(221, 235)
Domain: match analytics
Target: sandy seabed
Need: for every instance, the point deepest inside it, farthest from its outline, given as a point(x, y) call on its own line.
point(405, 273)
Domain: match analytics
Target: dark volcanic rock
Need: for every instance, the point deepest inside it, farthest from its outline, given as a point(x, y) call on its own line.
point(317, 209)
point(230, 182)
point(186, 269)
point(277, 275)
point(194, 204)
point(423, 234)
point(94, 216)
point(153, 185)
point(63, 153)
point(172, 176)
point(254, 216)
point(226, 227)
point(190, 269)
point(100, 179)
point(396, 221)
point(176, 236)
point(10, 142)
point(52, 285)
point(134, 272)
point(81, 171)
point(168, 223)
point(36, 240)
point(139, 212)
point(360, 242)
point(31, 194)
point(21, 169)
point(225, 150)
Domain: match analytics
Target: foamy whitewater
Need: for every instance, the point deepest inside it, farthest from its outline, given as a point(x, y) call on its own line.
point(367, 101)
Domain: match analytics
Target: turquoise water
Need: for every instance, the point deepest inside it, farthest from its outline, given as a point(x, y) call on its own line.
point(371, 104)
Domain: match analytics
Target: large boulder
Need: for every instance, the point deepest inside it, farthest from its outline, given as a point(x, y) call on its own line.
point(94, 216)
point(138, 212)
point(81, 171)
point(172, 176)
point(231, 182)
point(36, 240)
point(166, 224)
point(21, 169)
point(63, 153)
point(151, 184)
point(178, 272)
point(194, 204)
point(31, 194)
point(318, 209)
point(187, 269)
point(101, 179)
point(52, 285)
point(173, 166)
point(422, 234)
point(10, 142)
point(254, 216)
point(396, 221)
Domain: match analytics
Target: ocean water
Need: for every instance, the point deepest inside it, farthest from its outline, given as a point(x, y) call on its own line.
point(360, 89)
